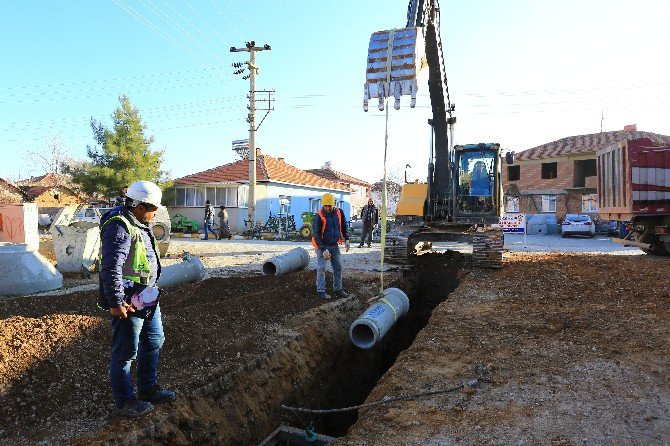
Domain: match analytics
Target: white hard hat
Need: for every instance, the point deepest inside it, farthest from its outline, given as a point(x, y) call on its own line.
point(145, 192)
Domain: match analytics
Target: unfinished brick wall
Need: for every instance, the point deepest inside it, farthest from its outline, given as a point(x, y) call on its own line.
point(531, 181)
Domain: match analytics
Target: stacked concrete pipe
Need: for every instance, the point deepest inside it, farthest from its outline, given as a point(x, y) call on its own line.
point(377, 320)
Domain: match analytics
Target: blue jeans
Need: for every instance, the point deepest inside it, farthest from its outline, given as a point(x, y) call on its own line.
point(321, 269)
point(134, 338)
point(208, 228)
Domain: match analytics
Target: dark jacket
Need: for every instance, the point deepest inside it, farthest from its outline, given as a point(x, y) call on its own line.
point(373, 214)
point(115, 246)
point(209, 213)
point(331, 235)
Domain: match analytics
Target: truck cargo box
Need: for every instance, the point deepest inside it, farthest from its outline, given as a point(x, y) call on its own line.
point(633, 180)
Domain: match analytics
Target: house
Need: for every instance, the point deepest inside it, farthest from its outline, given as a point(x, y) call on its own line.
point(10, 194)
point(360, 190)
point(560, 177)
point(280, 189)
point(51, 196)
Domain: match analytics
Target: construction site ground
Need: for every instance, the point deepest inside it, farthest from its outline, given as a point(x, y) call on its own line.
point(577, 345)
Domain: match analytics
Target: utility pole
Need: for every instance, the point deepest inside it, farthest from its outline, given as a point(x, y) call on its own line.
point(251, 48)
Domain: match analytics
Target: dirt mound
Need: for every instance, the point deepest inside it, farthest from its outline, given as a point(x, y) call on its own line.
point(54, 350)
point(578, 350)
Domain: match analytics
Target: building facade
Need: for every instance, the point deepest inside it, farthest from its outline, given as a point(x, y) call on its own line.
point(281, 190)
point(560, 177)
point(360, 190)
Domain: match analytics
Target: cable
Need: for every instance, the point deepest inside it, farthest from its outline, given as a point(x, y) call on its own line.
point(471, 383)
point(186, 19)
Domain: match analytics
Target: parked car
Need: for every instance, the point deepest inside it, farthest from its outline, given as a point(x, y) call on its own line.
point(92, 215)
point(613, 228)
point(578, 224)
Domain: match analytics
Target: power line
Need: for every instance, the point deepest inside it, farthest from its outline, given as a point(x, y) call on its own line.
point(226, 19)
point(186, 19)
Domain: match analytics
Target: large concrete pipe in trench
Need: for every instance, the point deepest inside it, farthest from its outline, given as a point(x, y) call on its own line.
point(295, 259)
point(377, 320)
point(189, 270)
point(26, 271)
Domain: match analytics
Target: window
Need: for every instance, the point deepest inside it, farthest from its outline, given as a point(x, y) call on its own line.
point(589, 202)
point(180, 197)
point(284, 204)
point(221, 196)
point(314, 204)
point(200, 197)
point(549, 171)
point(548, 203)
point(242, 194)
point(211, 195)
point(231, 197)
point(583, 170)
point(513, 173)
point(511, 204)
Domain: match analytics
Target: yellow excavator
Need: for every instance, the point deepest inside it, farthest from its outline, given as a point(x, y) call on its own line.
point(462, 199)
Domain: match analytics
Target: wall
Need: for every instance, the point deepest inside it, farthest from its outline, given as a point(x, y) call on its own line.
point(300, 196)
point(18, 224)
point(359, 198)
point(66, 196)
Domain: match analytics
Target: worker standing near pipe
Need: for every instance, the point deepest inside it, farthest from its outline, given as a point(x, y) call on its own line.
point(330, 229)
point(129, 269)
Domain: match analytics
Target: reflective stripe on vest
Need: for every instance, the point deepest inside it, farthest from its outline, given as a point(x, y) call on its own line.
point(136, 267)
point(323, 225)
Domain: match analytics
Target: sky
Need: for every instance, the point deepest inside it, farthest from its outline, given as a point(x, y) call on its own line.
point(521, 73)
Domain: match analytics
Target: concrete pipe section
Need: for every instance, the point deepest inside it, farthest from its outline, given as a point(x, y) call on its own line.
point(76, 243)
point(295, 259)
point(25, 271)
point(189, 270)
point(377, 320)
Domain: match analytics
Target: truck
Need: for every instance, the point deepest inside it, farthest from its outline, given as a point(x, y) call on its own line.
point(461, 199)
point(634, 187)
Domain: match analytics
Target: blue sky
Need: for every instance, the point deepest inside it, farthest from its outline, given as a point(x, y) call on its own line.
point(521, 73)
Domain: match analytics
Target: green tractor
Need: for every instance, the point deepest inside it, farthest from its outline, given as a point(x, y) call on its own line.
point(179, 223)
point(307, 225)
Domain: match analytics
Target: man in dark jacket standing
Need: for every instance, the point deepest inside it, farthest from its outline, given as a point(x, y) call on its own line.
point(370, 217)
point(330, 228)
point(129, 269)
point(209, 220)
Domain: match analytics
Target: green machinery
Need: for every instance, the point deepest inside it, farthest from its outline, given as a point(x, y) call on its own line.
point(179, 223)
point(307, 224)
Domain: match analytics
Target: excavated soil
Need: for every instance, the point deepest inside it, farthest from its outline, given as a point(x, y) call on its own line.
point(578, 347)
point(54, 349)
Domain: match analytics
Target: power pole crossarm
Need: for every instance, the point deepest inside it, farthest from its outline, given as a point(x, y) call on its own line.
point(251, 48)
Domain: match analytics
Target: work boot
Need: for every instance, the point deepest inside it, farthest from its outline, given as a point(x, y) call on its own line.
point(368, 246)
point(134, 408)
point(158, 395)
point(341, 294)
point(323, 295)
point(360, 246)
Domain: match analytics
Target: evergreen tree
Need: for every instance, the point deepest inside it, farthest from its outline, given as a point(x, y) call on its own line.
point(121, 157)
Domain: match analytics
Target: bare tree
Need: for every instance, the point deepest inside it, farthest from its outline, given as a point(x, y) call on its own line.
point(51, 160)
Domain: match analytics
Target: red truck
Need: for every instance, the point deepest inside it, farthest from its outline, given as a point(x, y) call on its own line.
point(634, 187)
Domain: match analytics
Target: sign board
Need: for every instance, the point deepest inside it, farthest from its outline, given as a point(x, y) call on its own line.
point(513, 224)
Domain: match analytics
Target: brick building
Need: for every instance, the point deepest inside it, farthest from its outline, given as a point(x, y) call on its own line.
point(560, 177)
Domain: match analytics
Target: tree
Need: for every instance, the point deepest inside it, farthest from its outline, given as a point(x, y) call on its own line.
point(121, 157)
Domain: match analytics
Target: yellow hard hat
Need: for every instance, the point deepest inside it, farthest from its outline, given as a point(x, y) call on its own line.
point(328, 199)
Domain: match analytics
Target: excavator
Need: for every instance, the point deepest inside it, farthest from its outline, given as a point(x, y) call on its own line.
point(462, 199)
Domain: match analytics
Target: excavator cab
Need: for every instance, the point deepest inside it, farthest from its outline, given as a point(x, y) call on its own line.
point(478, 189)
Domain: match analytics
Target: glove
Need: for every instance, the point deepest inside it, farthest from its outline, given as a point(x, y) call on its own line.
point(346, 245)
point(326, 254)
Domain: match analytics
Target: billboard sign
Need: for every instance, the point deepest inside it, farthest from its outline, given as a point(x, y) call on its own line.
point(513, 224)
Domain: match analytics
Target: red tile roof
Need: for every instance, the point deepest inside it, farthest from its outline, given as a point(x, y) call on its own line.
point(585, 144)
point(338, 177)
point(12, 186)
point(267, 169)
point(33, 192)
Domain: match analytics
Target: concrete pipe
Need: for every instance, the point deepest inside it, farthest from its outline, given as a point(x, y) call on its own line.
point(295, 259)
point(189, 270)
point(25, 271)
point(368, 329)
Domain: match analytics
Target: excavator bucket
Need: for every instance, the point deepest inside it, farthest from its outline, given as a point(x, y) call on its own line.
point(407, 50)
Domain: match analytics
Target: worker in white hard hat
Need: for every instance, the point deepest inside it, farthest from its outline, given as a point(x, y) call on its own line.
point(330, 229)
point(129, 269)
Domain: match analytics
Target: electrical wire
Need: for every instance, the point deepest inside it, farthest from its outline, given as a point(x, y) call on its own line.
point(186, 19)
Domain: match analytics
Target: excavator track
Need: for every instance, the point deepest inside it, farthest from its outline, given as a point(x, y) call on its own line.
point(396, 250)
point(487, 248)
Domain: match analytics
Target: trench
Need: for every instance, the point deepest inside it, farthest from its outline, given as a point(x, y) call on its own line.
point(312, 364)
point(349, 375)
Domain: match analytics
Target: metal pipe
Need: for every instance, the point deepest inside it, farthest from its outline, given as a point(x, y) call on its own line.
point(189, 270)
point(377, 320)
point(295, 259)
